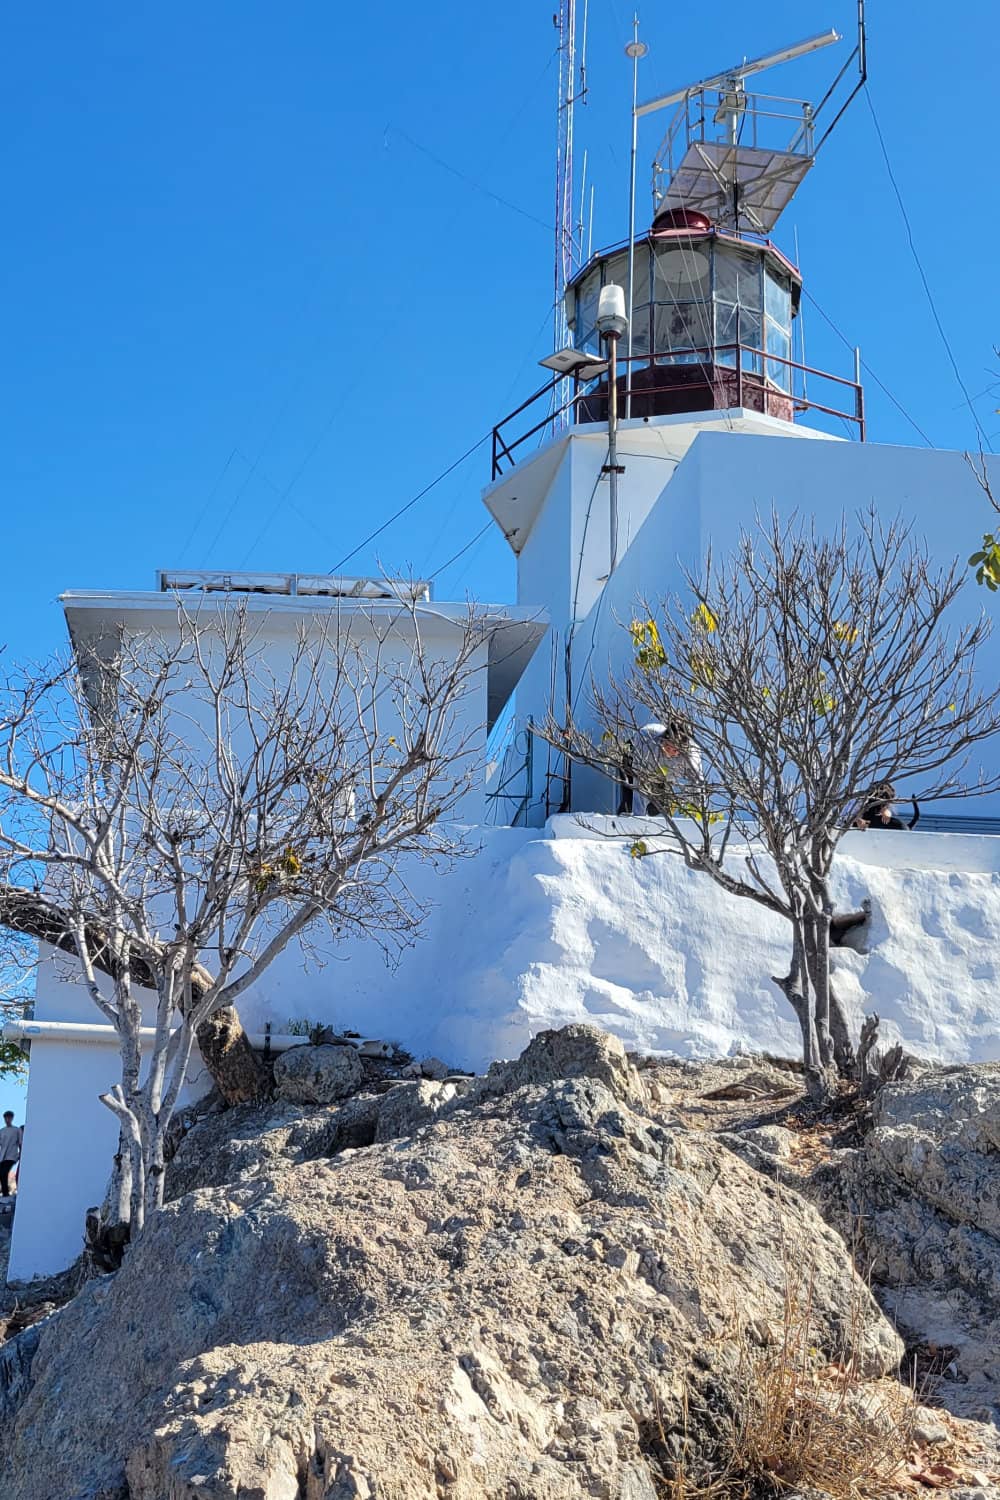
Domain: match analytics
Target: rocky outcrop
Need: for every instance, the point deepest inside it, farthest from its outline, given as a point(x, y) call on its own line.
point(503, 1301)
point(920, 1199)
point(572, 1052)
point(317, 1075)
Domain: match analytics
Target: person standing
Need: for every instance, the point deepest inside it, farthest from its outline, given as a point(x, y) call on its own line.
point(626, 781)
point(677, 777)
point(10, 1150)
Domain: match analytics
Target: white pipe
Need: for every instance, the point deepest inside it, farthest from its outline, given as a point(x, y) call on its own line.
point(82, 1031)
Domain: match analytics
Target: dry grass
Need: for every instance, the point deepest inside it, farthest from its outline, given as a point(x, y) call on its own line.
point(799, 1421)
point(809, 1423)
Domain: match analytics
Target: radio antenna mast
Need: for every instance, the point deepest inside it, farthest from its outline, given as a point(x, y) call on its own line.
point(566, 241)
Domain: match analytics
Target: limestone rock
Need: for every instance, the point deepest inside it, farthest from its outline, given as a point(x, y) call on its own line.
point(428, 1067)
point(576, 1051)
point(921, 1199)
point(409, 1106)
point(499, 1307)
point(767, 1148)
point(252, 1141)
point(317, 1075)
point(928, 1428)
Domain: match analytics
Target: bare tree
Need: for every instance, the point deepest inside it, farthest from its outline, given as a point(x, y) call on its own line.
point(16, 964)
point(174, 812)
point(809, 671)
point(986, 560)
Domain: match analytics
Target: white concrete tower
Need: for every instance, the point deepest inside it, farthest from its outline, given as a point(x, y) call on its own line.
point(709, 359)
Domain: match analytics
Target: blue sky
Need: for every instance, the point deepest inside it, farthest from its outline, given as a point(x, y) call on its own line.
point(258, 290)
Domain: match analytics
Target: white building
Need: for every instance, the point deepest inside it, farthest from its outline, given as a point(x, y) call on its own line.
point(690, 481)
point(70, 1136)
point(544, 927)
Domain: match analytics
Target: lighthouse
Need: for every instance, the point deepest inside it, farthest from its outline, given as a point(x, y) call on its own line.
point(662, 433)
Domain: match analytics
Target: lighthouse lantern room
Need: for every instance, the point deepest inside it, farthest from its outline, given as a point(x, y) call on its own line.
point(711, 321)
point(712, 302)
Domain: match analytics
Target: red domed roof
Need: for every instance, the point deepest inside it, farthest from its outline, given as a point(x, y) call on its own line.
point(682, 218)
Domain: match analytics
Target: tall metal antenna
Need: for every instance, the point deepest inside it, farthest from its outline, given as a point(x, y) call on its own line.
point(634, 50)
point(566, 241)
point(566, 23)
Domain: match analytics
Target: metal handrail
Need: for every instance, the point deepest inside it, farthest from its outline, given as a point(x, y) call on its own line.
point(504, 448)
point(514, 765)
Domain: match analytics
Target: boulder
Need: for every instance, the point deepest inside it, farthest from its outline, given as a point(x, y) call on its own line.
point(773, 1140)
point(502, 1307)
point(317, 1075)
point(407, 1107)
point(254, 1140)
point(920, 1199)
point(576, 1051)
point(428, 1067)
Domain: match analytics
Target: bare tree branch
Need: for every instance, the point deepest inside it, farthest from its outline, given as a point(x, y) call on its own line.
point(175, 812)
point(811, 673)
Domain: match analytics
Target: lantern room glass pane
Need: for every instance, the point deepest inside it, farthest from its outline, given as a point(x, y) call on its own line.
point(587, 296)
point(752, 337)
point(682, 327)
point(681, 272)
point(779, 342)
point(737, 277)
point(640, 331)
point(726, 332)
point(778, 299)
point(616, 270)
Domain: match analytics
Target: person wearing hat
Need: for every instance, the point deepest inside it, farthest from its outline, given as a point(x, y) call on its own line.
point(678, 766)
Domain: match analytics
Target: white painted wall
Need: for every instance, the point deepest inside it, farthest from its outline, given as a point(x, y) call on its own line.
point(725, 479)
point(542, 928)
point(563, 561)
point(69, 1136)
point(275, 623)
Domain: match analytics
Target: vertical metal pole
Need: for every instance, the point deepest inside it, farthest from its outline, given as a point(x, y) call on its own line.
point(583, 209)
point(635, 50)
point(613, 450)
point(802, 332)
point(564, 234)
point(859, 395)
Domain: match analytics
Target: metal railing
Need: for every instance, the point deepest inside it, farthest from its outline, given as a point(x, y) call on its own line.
point(958, 823)
point(740, 365)
point(510, 787)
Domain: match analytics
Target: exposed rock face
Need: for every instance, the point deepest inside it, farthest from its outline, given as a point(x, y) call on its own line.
point(573, 1052)
point(921, 1197)
point(317, 1075)
point(492, 1307)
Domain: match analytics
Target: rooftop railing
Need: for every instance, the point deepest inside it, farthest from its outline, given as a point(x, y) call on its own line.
point(741, 370)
